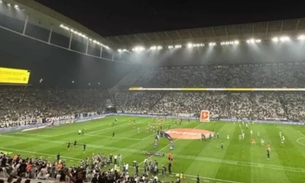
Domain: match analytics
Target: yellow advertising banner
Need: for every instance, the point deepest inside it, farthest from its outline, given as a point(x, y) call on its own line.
point(14, 76)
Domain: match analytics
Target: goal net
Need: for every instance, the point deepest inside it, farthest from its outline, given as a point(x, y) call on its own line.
point(205, 116)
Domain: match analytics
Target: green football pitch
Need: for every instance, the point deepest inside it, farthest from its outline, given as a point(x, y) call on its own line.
point(239, 161)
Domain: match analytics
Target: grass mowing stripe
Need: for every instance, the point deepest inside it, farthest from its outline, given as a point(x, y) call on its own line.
point(235, 150)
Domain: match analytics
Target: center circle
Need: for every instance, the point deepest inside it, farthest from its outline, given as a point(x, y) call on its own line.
point(188, 133)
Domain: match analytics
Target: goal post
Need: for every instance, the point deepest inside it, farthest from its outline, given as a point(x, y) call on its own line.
point(205, 116)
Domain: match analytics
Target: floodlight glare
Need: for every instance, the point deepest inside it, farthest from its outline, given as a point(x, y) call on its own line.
point(1, 2)
point(159, 47)
point(190, 45)
point(275, 39)
point(170, 47)
point(153, 48)
point(138, 49)
point(8, 4)
point(250, 41)
point(301, 37)
point(284, 38)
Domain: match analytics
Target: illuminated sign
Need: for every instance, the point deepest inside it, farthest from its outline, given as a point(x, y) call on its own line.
point(14, 76)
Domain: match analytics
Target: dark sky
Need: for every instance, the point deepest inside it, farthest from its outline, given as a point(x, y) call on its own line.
point(112, 17)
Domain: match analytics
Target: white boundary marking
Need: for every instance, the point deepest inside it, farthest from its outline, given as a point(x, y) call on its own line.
point(302, 144)
point(110, 137)
point(213, 179)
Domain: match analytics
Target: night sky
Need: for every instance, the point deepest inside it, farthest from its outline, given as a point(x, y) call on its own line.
point(112, 17)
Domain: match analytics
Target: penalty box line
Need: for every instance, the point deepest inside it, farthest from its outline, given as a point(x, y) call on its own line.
point(298, 140)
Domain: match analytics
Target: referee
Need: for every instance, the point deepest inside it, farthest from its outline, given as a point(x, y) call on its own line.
point(268, 154)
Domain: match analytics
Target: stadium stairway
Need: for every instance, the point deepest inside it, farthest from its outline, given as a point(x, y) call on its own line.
point(153, 105)
point(127, 81)
point(282, 102)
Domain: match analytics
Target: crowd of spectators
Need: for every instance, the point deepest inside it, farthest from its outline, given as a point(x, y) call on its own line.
point(24, 105)
point(99, 168)
point(253, 105)
point(237, 105)
point(219, 77)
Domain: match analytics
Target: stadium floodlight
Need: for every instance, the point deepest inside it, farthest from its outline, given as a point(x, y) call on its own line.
point(196, 45)
point(82, 35)
point(170, 47)
point(16, 7)
point(178, 46)
point(230, 43)
point(1, 2)
point(252, 41)
point(159, 47)
point(153, 48)
point(8, 4)
point(72, 81)
point(275, 39)
point(212, 44)
point(284, 38)
point(301, 37)
point(65, 27)
point(190, 45)
point(138, 49)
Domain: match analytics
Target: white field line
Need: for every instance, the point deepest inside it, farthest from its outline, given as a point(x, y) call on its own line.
point(202, 159)
point(298, 140)
point(110, 137)
point(78, 159)
point(91, 132)
point(206, 179)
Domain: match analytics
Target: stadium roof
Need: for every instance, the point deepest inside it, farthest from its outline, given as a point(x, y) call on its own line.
point(260, 30)
point(45, 17)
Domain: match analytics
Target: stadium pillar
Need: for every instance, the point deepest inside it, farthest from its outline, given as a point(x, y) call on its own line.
point(50, 34)
point(87, 46)
point(25, 24)
point(70, 42)
point(101, 52)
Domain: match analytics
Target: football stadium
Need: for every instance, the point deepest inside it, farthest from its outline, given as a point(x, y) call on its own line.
point(222, 104)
